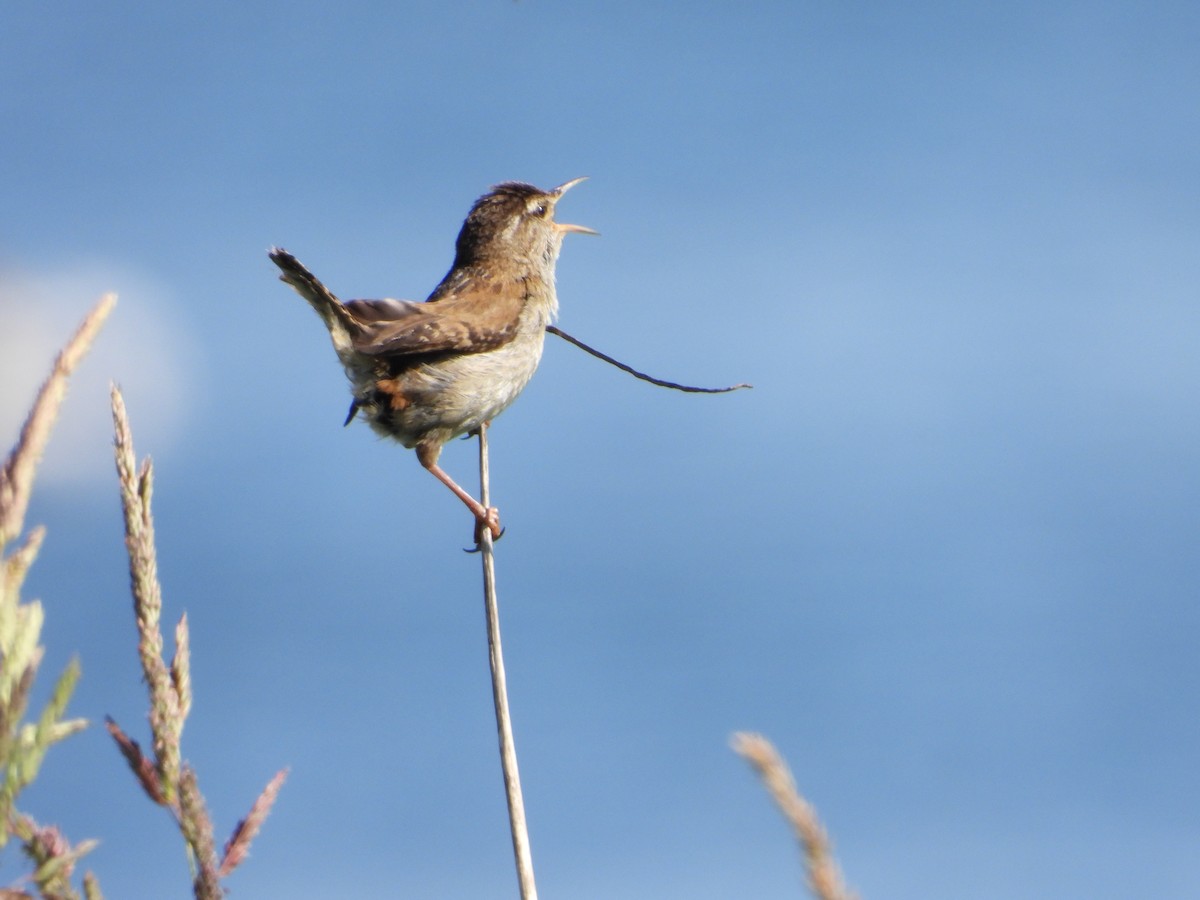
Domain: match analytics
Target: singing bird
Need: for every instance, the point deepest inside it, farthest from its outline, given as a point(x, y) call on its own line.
point(424, 373)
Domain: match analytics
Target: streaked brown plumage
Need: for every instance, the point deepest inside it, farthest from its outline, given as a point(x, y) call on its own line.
point(424, 373)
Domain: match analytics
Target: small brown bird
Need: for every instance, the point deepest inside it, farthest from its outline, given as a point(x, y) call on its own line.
point(424, 373)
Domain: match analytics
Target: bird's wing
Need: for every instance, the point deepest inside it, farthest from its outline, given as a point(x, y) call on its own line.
point(473, 319)
point(470, 316)
point(373, 312)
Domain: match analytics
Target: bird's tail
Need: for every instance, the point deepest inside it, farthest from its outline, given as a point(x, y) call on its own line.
point(341, 323)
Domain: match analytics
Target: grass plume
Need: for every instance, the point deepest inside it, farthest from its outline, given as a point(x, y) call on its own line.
point(824, 878)
point(23, 745)
point(163, 776)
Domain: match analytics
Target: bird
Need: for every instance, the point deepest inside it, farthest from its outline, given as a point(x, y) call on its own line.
point(424, 373)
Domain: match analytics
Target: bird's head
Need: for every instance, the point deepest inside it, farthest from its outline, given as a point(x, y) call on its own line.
point(515, 222)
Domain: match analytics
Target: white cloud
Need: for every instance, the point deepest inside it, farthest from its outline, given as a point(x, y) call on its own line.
point(141, 347)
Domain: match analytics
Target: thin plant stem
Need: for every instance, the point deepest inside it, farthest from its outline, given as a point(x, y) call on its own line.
point(824, 876)
point(508, 751)
point(661, 382)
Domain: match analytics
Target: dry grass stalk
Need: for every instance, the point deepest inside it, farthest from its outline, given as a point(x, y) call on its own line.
point(164, 777)
point(508, 751)
point(53, 856)
point(23, 746)
point(16, 476)
point(824, 878)
point(197, 828)
point(237, 848)
point(137, 488)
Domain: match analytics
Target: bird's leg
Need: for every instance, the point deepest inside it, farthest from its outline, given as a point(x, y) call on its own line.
point(485, 517)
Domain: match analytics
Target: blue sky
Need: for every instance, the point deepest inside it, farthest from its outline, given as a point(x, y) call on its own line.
point(943, 554)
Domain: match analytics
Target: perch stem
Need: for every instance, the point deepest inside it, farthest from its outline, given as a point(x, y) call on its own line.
point(508, 752)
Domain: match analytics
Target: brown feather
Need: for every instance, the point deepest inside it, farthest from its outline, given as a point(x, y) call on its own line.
point(323, 300)
point(474, 318)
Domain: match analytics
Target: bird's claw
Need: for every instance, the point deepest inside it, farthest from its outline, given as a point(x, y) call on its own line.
point(491, 521)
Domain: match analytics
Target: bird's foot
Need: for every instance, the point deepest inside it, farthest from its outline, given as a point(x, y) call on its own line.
point(489, 521)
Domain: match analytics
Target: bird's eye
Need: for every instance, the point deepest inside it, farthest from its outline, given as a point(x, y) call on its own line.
point(539, 210)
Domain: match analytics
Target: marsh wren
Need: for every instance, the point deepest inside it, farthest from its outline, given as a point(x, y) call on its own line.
point(423, 373)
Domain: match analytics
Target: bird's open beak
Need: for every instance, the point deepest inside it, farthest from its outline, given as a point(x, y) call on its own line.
point(563, 188)
point(558, 192)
